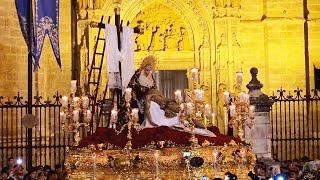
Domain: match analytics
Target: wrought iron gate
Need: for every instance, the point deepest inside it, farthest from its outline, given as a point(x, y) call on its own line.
point(295, 130)
point(49, 140)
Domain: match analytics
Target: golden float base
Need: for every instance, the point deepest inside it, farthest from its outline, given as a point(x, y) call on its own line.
point(166, 163)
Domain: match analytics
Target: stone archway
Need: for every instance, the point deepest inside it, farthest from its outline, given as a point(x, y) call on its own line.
point(205, 22)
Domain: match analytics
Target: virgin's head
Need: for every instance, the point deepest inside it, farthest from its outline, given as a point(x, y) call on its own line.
point(148, 65)
point(147, 70)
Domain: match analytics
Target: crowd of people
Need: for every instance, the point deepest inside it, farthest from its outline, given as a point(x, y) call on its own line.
point(296, 169)
point(14, 170)
point(302, 169)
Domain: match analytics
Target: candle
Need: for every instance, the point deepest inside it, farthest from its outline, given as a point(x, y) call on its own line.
point(239, 77)
point(242, 97)
point(85, 102)
point(247, 98)
point(198, 114)
point(213, 117)
point(205, 122)
point(251, 111)
point(64, 101)
point(75, 116)
point(156, 155)
point(207, 110)
point(214, 154)
point(135, 113)
point(232, 110)
point(195, 74)
point(63, 116)
point(114, 114)
point(226, 97)
point(189, 108)
point(199, 94)
point(226, 119)
point(88, 114)
point(181, 107)
point(73, 86)
point(128, 94)
point(178, 96)
point(75, 100)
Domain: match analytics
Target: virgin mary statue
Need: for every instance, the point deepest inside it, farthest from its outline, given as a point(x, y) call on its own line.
point(154, 109)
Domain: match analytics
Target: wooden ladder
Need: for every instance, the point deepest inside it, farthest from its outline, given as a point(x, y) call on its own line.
point(94, 77)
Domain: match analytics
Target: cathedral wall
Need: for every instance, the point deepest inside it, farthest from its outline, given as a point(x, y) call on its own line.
point(314, 37)
point(13, 56)
point(272, 33)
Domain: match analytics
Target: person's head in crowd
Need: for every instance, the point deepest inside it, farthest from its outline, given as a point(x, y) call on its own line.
point(4, 174)
point(293, 175)
point(58, 168)
point(52, 176)
point(42, 176)
point(33, 173)
point(19, 172)
point(10, 162)
point(305, 159)
point(39, 169)
point(46, 168)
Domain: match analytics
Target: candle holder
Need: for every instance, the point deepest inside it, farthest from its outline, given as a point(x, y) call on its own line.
point(75, 113)
point(194, 107)
point(240, 112)
point(132, 114)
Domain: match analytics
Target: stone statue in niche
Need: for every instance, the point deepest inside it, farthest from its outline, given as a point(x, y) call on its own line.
point(82, 4)
point(235, 41)
point(84, 62)
point(235, 3)
point(139, 37)
point(98, 4)
point(221, 3)
point(165, 37)
point(147, 36)
point(90, 4)
point(220, 102)
point(172, 41)
point(181, 38)
point(155, 33)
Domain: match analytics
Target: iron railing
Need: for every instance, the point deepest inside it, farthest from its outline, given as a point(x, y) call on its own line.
point(295, 125)
point(49, 141)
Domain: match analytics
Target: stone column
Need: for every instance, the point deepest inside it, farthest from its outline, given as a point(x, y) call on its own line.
point(260, 133)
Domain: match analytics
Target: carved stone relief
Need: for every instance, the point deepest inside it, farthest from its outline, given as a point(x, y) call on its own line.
point(90, 4)
point(161, 29)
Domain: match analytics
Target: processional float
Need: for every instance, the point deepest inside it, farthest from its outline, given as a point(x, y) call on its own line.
point(104, 158)
point(160, 153)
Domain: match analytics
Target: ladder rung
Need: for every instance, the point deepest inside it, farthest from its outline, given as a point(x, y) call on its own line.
point(95, 67)
point(101, 39)
point(99, 53)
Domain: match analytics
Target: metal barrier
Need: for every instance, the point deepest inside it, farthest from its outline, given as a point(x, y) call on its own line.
point(295, 125)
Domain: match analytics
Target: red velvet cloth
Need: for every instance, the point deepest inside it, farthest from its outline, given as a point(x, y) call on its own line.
point(146, 136)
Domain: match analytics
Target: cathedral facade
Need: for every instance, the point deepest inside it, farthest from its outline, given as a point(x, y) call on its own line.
point(220, 37)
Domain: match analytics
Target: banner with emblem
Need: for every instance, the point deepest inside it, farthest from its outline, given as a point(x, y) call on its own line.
point(23, 9)
point(46, 23)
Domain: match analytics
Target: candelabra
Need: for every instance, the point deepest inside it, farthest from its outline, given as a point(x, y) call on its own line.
point(238, 107)
point(194, 108)
point(131, 114)
point(75, 113)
